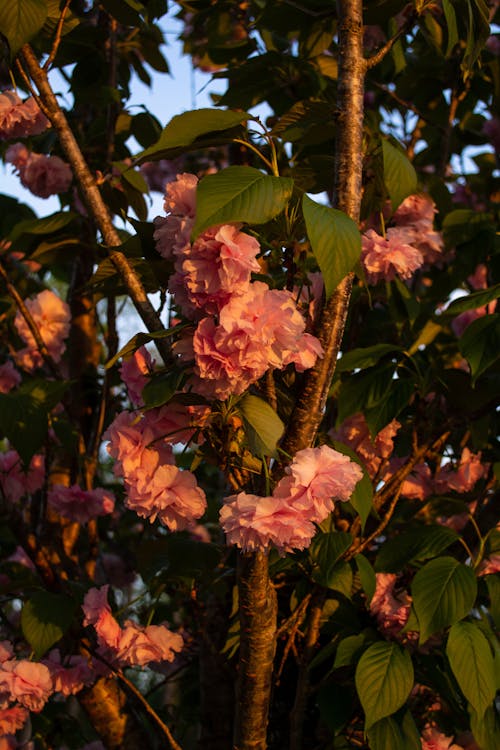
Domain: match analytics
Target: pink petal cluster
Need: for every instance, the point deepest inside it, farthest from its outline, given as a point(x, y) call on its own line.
point(27, 682)
point(135, 372)
point(9, 377)
point(390, 610)
point(355, 433)
point(172, 233)
point(42, 175)
point(305, 496)
point(52, 318)
point(14, 481)
point(256, 331)
point(384, 258)
point(463, 321)
point(12, 719)
point(80, 505)
point(71, 676)
point(414, 219)
point(133, 644)
point(490, 565)
point(19, 119)
point(462, 479)
point(433, 739)
point(155, 487)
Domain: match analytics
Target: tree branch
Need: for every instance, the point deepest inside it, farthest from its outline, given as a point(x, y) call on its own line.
point(93, 200)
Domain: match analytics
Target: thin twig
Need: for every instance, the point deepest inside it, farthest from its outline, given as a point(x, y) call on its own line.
point(35, 331)
point(57, 38)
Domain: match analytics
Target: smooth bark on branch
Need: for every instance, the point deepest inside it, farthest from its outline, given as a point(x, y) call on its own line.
point(309, 408)
point(258, 614)
point(92, 198)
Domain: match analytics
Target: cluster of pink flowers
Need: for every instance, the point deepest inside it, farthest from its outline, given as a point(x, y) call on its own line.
point(373, 452)
point(42, 175)
point(433, 739)
point(80, 505)
point(9, 377)
point(406, 246)
point(133, 644)
point(19, 119)
point(255, 328)
point(142, 448)
point(27, 683)
point(390, 609)
point(135, 372)
point(315, 479)
point(69, 675)
point(52, 318)
point(15, 483)
point(420, 484)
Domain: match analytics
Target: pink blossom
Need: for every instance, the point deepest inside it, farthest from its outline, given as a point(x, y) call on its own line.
point(98, 613)
point(390, 610)
point(414, 220)
point(135, 372)
point(490, 565)
point(172, 233)
point(433, 739)
point(135, 442)
point(479, 279)
point(20, 557)
point(470, 470)
point(81, 505)
point(154, 643)
point(14, 482)
point(68, 678)
point(19, 119)
point(9, 377)
point(384, 258)
point(52, 317)
point(253, 523)
point(167, 493)
point(178, 423)
point(12, 719)
point(28, 683)
point(256, 331)
point(315, 479)
point(354, 432)
point(6, 651)
point(42, 175)
point(216, 267)
point(418, 485)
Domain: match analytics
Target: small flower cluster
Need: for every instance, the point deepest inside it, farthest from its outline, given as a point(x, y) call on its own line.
point(19, 119)
point(406, 246)
point(315, 479)
point(15, 482)
point(254, 327)
point(52, 318)
point(80, 505)
point(42, 175)
point(390, 609)
point(141, 444)
point(132, 645)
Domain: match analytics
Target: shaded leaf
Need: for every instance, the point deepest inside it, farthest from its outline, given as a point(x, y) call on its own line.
point(21, 20)
point(416, 543)
point(471, 661)
point(335, 241)
point(480, 344)
point(443, 592)
point(384, 679)
point(365, 357)
point(45, 618)
point(366, 575)
point(399, 174)
point(140, 339)
point(240, 194)
point(389, 734)
point(263, 426)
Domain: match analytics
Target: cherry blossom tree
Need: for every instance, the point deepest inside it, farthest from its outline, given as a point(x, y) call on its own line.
point(270, 518)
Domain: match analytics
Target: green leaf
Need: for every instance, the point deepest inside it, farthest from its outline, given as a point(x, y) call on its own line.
point(399, 174)
point(335, 241)
point(486, 729)
point(443, 592)
point(193, 130)
point(384, 679)
point(347, 651)
point(325, 552)
point(493, 584)
point(140, 339)
point(472, 663)
point(480, 344)
point(362, 498)
point(47, 225)
point(366, 575)
point(389, 734)
point(472, 301)
point(263, 426)
point(365, 357)
point(338, 578)
point(21, 20)
point(416, 543)
point(464, 224)
point(240, 194)
point(451, 25)
point(45, 618)
point(161, 388)
point(478, 31)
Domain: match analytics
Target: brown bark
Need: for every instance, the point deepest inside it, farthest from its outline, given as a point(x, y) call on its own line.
point(258, 612)
point(92, 197)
